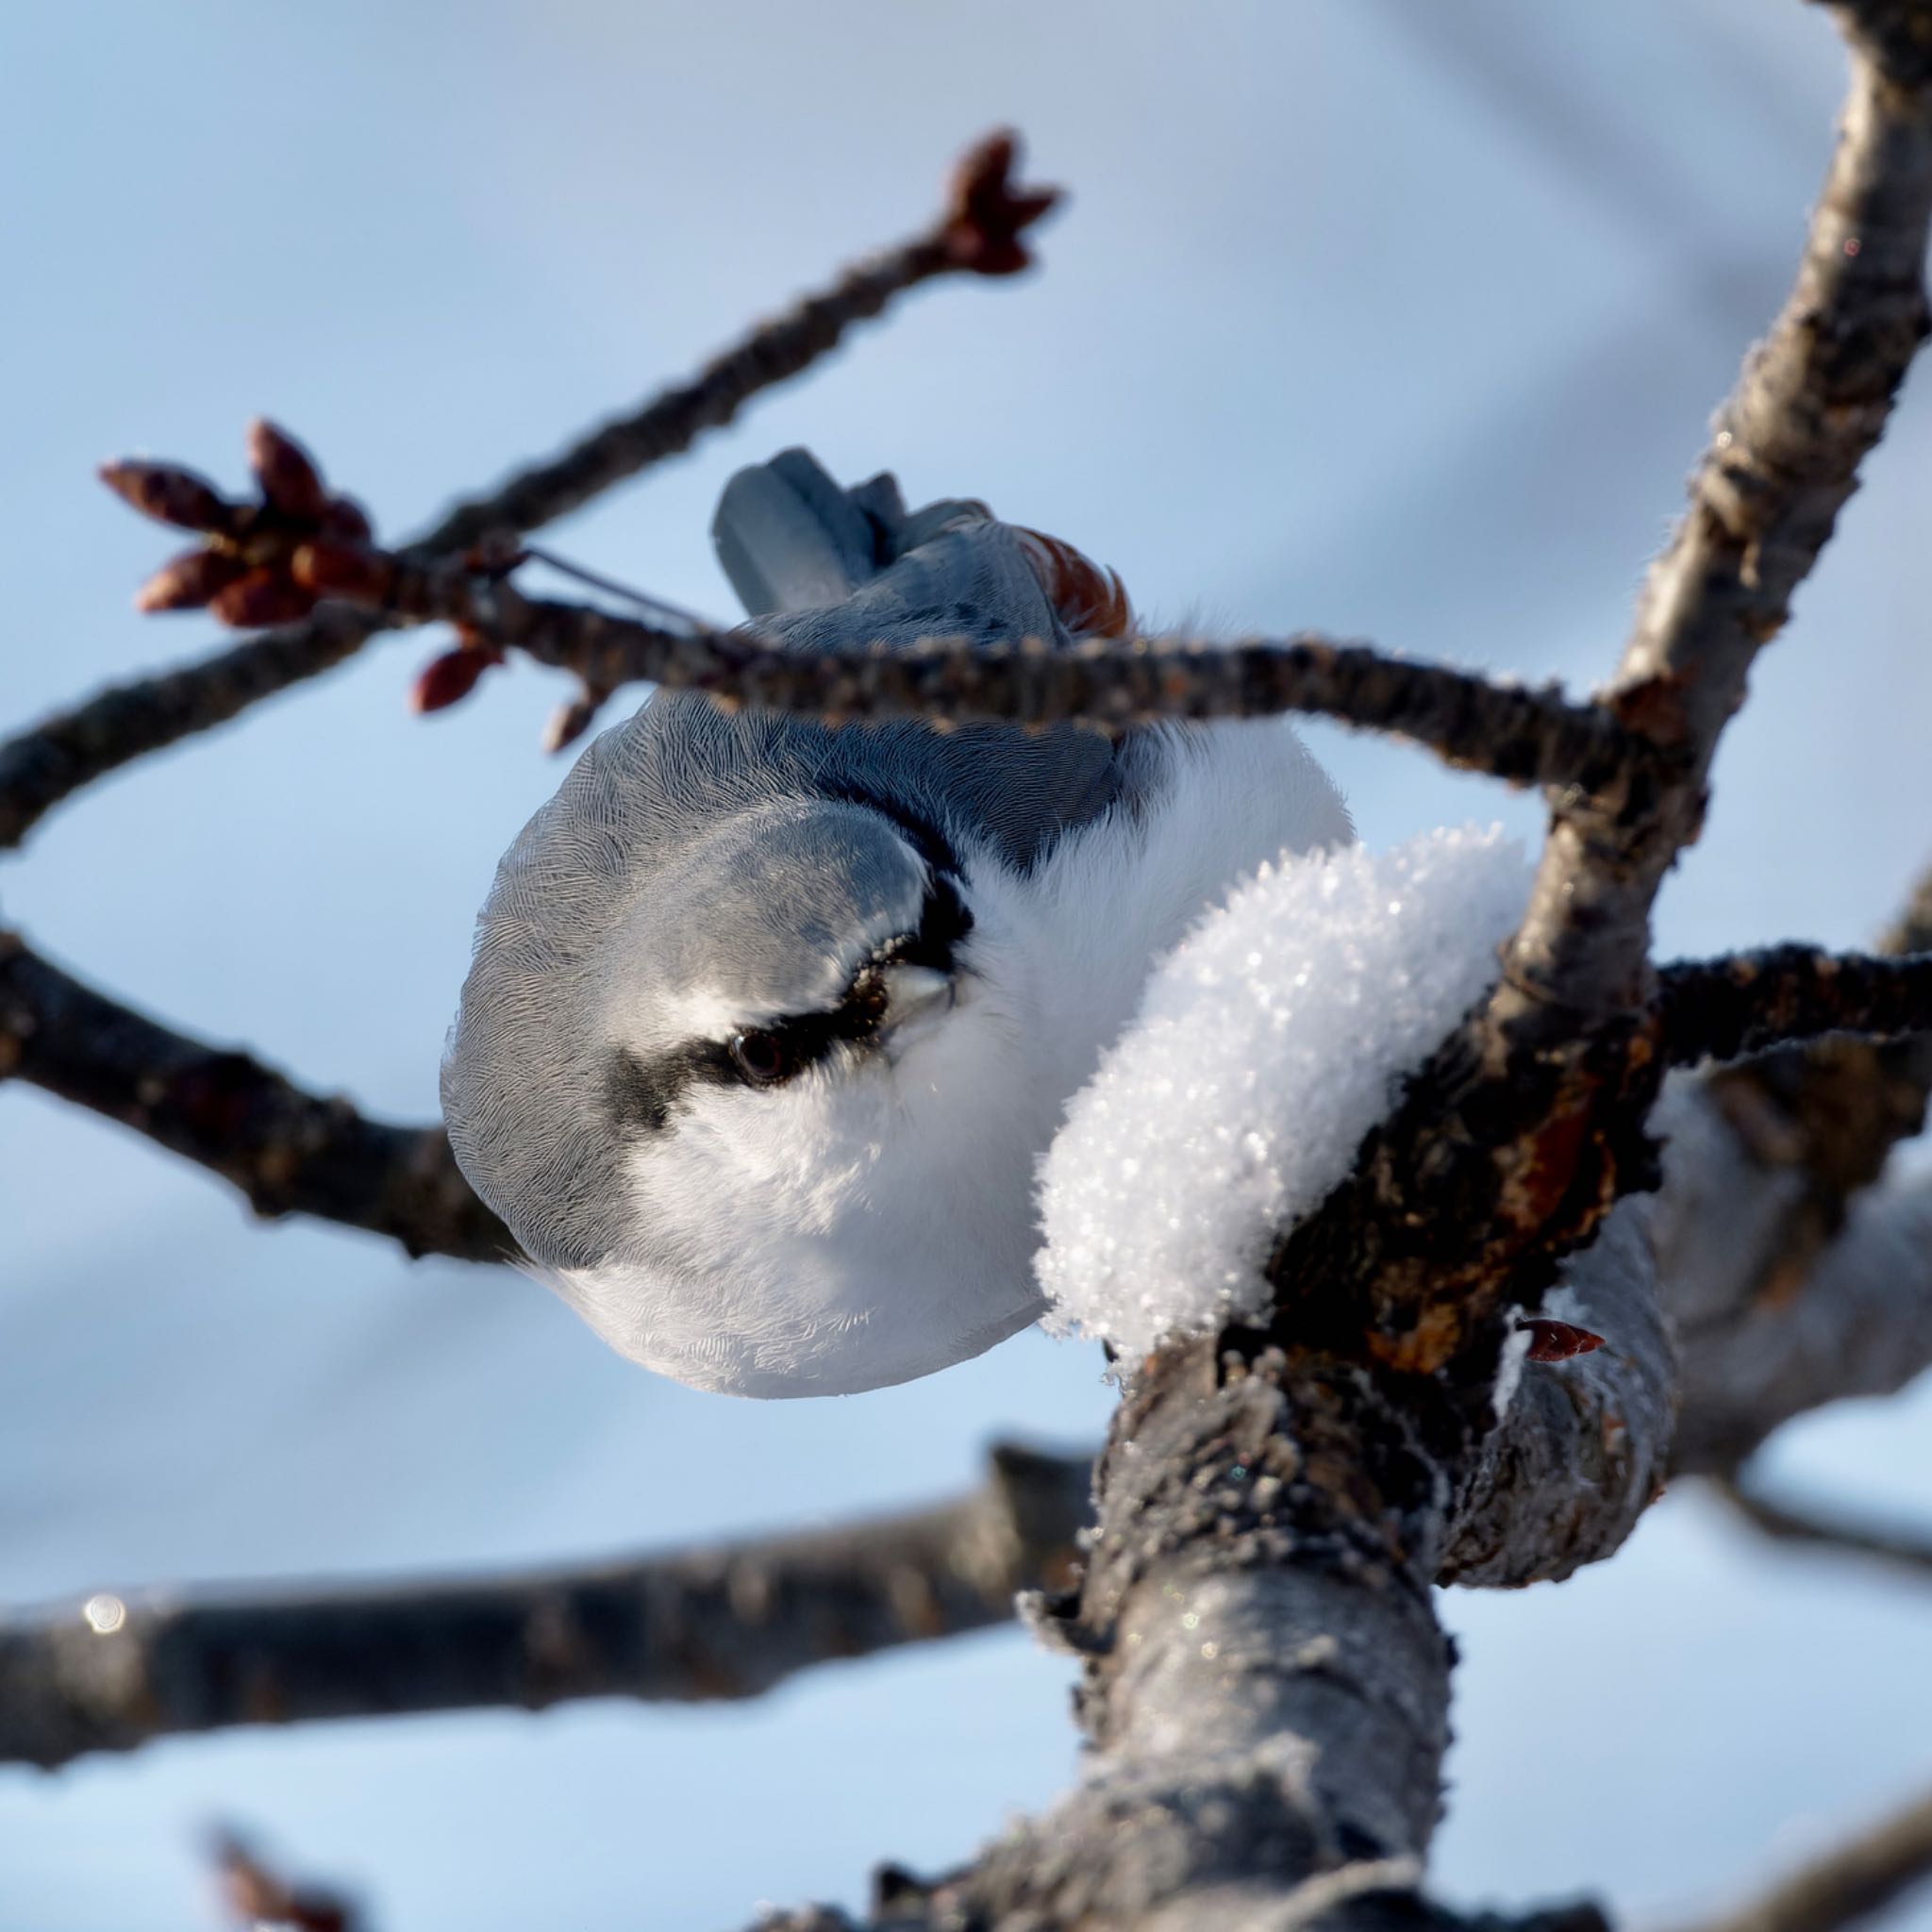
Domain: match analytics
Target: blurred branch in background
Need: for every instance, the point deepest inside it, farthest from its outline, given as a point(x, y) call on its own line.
point(112, 1673)
point(1832, 1530)
point(1849, 1883)
point(1828, 1115)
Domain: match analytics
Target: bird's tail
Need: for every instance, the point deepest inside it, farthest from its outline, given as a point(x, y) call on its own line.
point(791, 540)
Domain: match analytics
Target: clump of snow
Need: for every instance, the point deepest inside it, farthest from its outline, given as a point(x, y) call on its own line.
point(1266, 1046)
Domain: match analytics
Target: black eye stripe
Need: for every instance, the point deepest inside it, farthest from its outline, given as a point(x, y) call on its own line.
point(643, 1094)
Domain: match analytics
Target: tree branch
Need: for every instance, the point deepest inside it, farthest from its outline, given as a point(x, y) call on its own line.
point(1747, 1002)
point(1510, 732)
point(287, 1151)
point(1828, 1115)
point(1849, 1883)
point(113, 1672)
point(978, 232)
point(1265, 1690)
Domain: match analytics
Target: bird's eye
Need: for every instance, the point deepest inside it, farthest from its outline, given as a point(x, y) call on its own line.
point(761, 1059)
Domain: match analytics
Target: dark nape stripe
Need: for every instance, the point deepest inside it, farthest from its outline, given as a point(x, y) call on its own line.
point(943, 922)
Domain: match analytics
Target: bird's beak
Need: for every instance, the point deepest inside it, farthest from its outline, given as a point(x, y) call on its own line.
point(917, 997)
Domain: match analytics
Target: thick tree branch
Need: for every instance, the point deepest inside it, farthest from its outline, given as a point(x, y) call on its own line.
point(1847, 1884)
point(1748, 1002)
point(1581, 1449)
point(1265, 1691)
point(287, 1151)
point(111, 1673)
point(978, 232)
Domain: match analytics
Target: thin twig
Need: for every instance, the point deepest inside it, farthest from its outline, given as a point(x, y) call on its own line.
point(287, 1151)
point(1849, 1883)
point(1525, 735)
point(112, 1673)
point(1746, 1003)
point(977, 231)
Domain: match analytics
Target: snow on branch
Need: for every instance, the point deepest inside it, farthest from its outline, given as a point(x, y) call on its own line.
point(113, 1672)
point(980, 231)
point(1265, 1047)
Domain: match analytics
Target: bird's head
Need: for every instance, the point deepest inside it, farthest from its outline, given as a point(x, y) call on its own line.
point(752, 1098)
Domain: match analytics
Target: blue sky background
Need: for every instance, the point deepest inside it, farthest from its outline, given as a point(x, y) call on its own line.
point(1396, 319)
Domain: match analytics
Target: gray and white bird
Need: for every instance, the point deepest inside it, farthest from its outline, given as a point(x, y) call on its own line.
point(769, 1021)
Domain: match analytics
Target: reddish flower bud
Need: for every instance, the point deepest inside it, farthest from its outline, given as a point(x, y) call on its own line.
point(343, 517)
point(260, 598)
point(169, 494)
point(1557, 1342)
point(449, 677)
point(189, 581)
point(985, 217)
point(286, 472)
point(343, 570)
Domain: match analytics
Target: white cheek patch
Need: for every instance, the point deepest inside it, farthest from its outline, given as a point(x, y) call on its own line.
point(800, 1152)
point(863, 1224)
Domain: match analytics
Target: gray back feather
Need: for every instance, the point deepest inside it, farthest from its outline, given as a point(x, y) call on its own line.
point(650, 874)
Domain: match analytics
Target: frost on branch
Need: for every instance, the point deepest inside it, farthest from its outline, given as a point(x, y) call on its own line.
point(1268, 1043)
